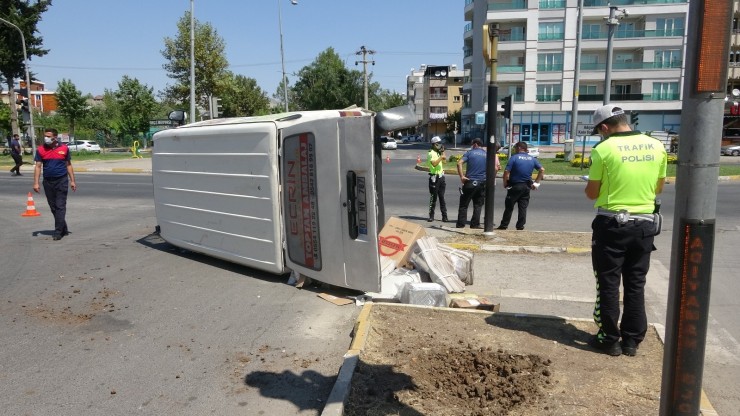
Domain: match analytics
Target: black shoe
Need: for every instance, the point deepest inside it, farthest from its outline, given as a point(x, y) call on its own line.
point(444, 219)
point(18, 174)
point(501, 227)
point(476, 227)
point(430, 219)
point(613, 349)
point(459, 226)
point(629, 348)
point(56, 237)
point(520, 229)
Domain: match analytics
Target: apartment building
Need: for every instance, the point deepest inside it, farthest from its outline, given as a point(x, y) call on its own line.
point(731, 124)
point(435, 91)
point(536, 63)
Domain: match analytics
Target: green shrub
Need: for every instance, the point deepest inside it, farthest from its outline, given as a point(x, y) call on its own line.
point(560, 155)
point(576, 162)
point(454, 158)
point(672, 159)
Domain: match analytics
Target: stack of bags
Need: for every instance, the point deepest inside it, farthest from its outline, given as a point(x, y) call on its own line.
point(443, 265)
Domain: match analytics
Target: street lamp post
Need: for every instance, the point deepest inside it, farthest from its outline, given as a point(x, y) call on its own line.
point(612, 21)
point(282, 52)
point(31, 133)
point(192, 62)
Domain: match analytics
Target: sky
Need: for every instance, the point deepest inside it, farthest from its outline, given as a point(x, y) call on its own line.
point(94, 43)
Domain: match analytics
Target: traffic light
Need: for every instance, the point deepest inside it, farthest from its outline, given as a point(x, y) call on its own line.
point(507, 107)
point(633, 118)
point(24, 112)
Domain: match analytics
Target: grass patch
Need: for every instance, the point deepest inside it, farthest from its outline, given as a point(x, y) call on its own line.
point(6, 160)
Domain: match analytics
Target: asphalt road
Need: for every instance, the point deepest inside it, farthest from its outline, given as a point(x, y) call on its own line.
point(112, 320)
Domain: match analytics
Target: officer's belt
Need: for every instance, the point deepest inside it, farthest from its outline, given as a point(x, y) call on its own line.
point(637, 217)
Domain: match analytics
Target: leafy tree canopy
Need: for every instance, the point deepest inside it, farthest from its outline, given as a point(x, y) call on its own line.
point(210, 62)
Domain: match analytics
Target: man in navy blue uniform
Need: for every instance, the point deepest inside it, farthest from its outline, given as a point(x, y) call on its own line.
point(473, 183)
point(518, 182)
point(58, 178)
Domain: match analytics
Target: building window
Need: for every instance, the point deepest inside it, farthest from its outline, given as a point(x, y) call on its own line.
point(668, 58)
point(672, 26)
point(590, 62)
point(549, 92)
point(551, 31)
point(587, 89)
point(516, 91)
point(550, 61)
point(591, 31)
point(665, 91)
point(625, 30)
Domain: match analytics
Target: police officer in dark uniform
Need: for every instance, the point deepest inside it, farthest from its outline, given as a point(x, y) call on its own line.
point(473, 183)
point(59, 176)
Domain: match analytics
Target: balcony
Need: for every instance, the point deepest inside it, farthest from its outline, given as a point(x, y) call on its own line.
point(631, 65)
point(629, 34)
point(551, 36)
point(468, 27)
point(509, 69)
point(511, 37)
point(549, 98)
point(551, 67)
point(552, 4)
point(514, 5)
point(605, 3)
point(630, 97)
point(437, 96)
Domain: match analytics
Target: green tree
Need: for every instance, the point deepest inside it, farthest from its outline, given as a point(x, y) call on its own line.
point(327, 84)
point(453, 122)
point(210, 62)
point(5, 126)
point(70, 103)
point(136, 106)
point(25, 15)
point(102, 121)
point(384, 99)
point(241, 96)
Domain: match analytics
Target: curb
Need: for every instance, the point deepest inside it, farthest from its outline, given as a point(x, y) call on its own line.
point(519, 249)
point(340, 392)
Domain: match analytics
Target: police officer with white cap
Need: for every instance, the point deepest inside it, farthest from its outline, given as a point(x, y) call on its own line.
point(435, 163)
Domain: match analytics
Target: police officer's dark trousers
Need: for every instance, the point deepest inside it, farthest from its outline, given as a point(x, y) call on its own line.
point(475, 191)
point(621, 252)
point(56, 190)
point(437, 187)
point(519, 195)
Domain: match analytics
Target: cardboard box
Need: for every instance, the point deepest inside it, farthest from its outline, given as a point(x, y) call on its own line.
point(475, 303)
point(396, 240)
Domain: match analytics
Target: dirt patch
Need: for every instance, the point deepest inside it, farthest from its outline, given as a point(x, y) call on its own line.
point(424, 361)
point(524, 238)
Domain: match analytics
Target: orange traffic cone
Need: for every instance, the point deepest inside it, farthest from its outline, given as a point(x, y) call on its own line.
point(30, 208)
point(418, 158)
point(387, 158)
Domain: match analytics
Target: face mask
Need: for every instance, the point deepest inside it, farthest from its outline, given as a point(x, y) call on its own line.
point(47, 140)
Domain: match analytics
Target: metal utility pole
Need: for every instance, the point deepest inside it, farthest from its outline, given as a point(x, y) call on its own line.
point(612, 21)
point(364, 52)
point(282, 53)
point(694, 218)
point(576, 90)
point(31, 132)
point(192, 61)
point(492, 30)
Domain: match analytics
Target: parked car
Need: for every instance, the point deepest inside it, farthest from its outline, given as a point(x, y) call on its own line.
point(84, 146)
point(388, 143)
point(730, 150)
point(532, 151)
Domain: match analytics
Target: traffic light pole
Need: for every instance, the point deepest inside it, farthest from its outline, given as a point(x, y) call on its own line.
point(31, 132)
point(491, 130)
